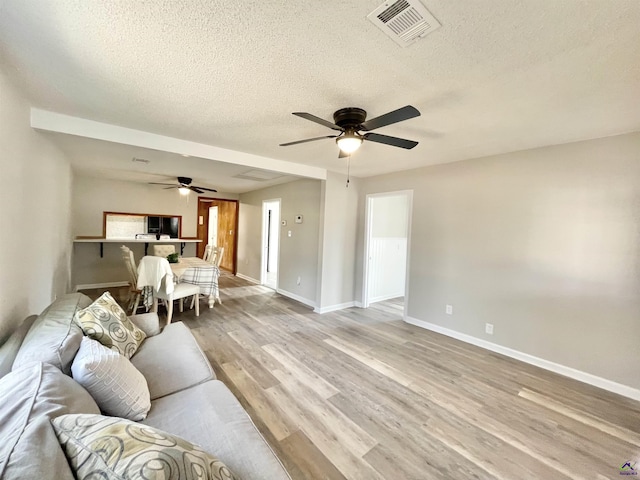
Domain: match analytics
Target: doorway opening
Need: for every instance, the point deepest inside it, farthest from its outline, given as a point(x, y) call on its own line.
point(213, 226)
point(270, 243)
point(388, 224)
point(218, 225)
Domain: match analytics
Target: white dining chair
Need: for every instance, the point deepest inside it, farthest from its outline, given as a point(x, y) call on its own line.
point(217, 260)
point(216, 253)
point(155, 272)
point(134, 291)
point(207, 252)
point(163, 250)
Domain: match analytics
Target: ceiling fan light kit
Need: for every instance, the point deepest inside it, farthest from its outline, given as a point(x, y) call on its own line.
point(350, 121)
point(349, 142)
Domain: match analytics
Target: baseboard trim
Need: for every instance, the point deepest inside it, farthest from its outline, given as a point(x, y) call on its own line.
point(298, 298)
point(385, 297)
point(86, 286)
point(333, 308)
point(247, 278)
point(579, 375)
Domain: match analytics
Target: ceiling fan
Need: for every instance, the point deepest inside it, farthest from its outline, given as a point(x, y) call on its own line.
point(184, 186)
point(351, 121)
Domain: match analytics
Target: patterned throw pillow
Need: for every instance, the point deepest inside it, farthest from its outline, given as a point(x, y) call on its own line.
point(107, 447)
point(105, 321)
point(115, 384)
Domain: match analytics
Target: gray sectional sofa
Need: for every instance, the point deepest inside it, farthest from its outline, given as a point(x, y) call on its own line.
point(186, 398)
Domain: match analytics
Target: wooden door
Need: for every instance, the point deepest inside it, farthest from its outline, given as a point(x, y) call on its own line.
point(227, 229)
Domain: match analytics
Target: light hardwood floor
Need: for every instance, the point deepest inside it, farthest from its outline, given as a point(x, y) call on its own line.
point(360, 394)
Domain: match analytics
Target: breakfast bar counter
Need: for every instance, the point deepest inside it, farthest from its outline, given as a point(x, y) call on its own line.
point(146, 241)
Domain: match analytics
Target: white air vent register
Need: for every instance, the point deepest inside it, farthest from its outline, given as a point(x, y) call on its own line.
point(258, 175)
point(405, 21)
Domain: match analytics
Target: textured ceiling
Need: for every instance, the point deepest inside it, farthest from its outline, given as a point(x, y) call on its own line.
point(499, 76)
point(96, 158)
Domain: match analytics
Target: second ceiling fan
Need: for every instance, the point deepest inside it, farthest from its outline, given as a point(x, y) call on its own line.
point(184, 186)
point(351, 121)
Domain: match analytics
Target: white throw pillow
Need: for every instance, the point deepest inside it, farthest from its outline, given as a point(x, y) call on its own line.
point(118, 388)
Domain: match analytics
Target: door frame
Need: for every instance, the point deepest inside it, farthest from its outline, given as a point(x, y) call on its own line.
point(264, 259)
point(200, 246)
point(367, 239)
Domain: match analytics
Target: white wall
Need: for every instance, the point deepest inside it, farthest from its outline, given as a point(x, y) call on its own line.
point(298, 253)
point(93, 196)
point(544, 244)
point(35, 238)
point(336, 257)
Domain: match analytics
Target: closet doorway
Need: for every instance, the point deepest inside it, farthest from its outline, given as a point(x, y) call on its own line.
point(388, 225)
point(218, 224)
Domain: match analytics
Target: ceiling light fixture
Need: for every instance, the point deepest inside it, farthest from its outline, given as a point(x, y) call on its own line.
point(349, 142)
point(184, 190)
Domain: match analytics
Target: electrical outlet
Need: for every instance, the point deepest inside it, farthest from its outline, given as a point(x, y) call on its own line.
point(449, 309)
point(298, 282)
point(488, 328)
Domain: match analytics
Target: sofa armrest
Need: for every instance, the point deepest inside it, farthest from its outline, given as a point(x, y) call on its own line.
point(9, 349)
point(149, 323)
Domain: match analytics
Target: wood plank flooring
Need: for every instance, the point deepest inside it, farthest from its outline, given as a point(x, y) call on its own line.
point(359, 394)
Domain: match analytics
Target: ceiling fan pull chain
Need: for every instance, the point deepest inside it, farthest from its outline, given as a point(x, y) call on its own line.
point(348, 169)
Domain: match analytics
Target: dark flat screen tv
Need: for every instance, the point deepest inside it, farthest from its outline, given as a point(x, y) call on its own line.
point(164, 225)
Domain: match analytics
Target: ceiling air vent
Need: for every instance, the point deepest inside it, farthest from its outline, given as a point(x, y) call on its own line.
point(405, 21)
point(258, 175)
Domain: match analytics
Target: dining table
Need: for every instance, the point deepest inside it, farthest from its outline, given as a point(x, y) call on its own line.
point(199, 272)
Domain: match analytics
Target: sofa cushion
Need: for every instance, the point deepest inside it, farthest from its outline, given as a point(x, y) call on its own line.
point(216, 421)
point(54, 338)
point(29, 397)
point(149, 323)
point(172, 361)
point(107, 447)
point(105, 321)
point(115, 384)
point(11, 346)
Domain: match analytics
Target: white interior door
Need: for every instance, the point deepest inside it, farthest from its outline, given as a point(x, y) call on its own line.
point(270, 242)
point(212, 235)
